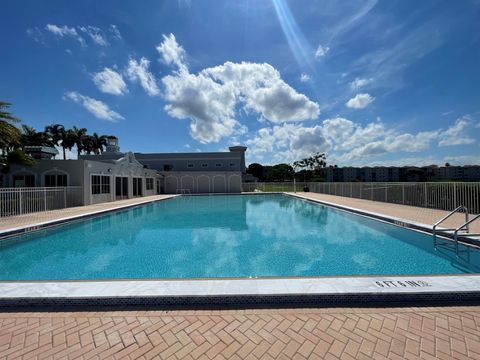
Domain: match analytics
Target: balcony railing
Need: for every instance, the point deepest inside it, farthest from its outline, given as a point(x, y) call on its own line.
point(18, 201)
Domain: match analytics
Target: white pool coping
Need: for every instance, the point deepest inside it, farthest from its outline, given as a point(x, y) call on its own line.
point(328, 286)
point(241, 287)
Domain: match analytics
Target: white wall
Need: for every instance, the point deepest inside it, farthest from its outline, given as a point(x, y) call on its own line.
point(207, 182)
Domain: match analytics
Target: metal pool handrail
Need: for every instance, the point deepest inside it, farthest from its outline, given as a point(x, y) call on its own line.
point(468, 222)
point(461, 207)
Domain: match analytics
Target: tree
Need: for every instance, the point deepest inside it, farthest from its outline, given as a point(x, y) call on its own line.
point(76, 137)
point(88, 144)
point(10, 141)
point(56, 134)
point(256, 170)
point(279, 172)
point(19, 157)
point(311, 165)
point(98, 142)
point(9, 134)
point(32, 137)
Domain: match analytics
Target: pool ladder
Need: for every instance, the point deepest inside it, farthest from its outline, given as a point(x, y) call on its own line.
point(464, 228)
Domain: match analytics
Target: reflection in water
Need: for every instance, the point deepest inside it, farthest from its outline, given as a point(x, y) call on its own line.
point(226, 236)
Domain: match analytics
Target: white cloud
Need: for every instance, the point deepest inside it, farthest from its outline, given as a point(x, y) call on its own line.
point(36, 35)
point(288, 142)
point(360, 101)
point(139, 72)
point(455, 134)
point(110, 82)
point(208, 104)
point(358, 83)
point(96, 34)
point(209, 99)
point(305, 77)
point(96, 107)
point(344, 141)
point(321, 51)
point(115, 32)
point(171, 51)
point(350, 143)
point(356, 141)
point(65, 31)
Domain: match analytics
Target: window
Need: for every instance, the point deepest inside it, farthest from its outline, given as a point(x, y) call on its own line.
point(204, 165)
point(232, 164)
point(218, 164)
point(149, 183)
point(100, 184)
point(105, 184)
point(62, 180)
point(167, 167)
point(24, 180)
point(59, 180)
point(190, 165)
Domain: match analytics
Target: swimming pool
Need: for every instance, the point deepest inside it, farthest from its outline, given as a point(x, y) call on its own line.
point(227, 236)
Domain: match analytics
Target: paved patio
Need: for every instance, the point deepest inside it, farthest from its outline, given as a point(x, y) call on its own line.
point(398, 333)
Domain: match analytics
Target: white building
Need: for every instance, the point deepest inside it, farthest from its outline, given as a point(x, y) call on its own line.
point(114, 175)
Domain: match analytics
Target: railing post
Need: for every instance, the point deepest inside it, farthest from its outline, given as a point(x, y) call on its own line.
point(455, 195)
point(403, 193)
point(425, 194)
point(21, 200)
point(45, 198)
point(64, 197)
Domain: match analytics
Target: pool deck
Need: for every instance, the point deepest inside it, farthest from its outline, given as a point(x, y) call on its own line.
point(293, 333)
point(338, 333)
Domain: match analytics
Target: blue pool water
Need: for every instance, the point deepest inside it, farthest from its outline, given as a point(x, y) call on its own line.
point(227, 236)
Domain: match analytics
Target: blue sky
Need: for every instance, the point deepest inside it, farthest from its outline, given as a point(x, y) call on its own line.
point(367, 82)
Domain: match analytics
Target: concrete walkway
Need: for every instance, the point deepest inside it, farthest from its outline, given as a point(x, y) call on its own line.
point(40, 217)
point(405, 212)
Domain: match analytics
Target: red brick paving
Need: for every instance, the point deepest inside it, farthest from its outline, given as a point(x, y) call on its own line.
point(385, 333)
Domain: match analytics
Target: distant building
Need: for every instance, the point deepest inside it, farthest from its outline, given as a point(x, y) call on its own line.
point(402, 174)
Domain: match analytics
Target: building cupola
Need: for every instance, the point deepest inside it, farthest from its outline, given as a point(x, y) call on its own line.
point(112, 145)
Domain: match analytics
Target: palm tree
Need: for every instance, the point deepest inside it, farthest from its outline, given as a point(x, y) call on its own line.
point(9, 134)
point(32, 137)
point(88, 144)
point(56, 134)
point(68, 142)
point(98, 143)
point(76, 137)
point(10, 140)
